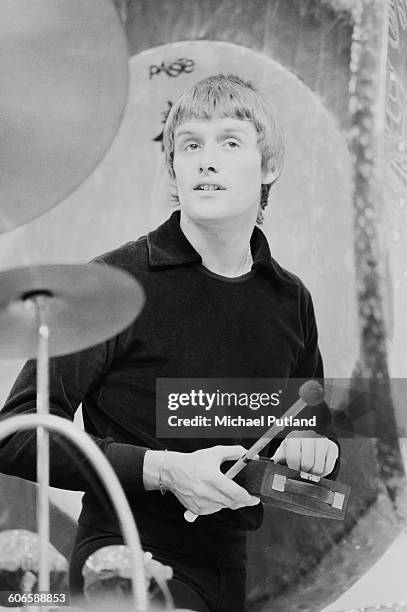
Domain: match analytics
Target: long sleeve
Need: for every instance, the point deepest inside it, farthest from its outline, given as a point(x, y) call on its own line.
point(72, 377)
point(309, 366)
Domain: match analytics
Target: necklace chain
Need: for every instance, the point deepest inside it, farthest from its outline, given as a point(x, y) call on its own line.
point(248, 258)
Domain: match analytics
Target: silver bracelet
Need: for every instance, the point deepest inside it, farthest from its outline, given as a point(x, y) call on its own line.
point(160, 473)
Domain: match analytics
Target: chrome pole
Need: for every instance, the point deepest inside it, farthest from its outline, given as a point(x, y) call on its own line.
point(43, 521)
point(109, 479)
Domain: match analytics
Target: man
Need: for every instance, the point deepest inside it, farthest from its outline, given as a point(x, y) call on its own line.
point(217, 306)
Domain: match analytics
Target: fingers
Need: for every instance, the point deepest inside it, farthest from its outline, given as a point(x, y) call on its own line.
point(331, 458)
point(290, 452)
point(325, 453)
point(320, 454)
point(226, 453)
point(316, 455)
point(199, 484)
point(233, 495)
point(293, 453)
point(279, 455)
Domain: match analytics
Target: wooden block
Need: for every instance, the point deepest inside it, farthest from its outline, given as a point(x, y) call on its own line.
point(293, 490)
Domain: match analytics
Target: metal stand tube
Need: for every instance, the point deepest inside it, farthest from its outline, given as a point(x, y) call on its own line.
point(109, 479)
point(43, 445)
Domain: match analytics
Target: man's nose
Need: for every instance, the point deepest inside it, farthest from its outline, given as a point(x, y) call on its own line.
point(208, 161)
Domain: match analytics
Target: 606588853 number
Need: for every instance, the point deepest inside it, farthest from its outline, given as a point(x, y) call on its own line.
point(42, 598)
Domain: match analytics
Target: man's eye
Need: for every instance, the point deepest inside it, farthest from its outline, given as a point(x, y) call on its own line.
point(232, 144)
point(192, 146)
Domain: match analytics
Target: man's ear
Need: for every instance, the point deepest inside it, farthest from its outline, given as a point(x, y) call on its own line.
point(269, 176)
point(173, 189)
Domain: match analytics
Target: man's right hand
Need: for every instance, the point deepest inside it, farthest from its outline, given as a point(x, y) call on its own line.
point(196, 480)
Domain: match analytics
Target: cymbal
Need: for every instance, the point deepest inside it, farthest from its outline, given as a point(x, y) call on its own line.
point(63, 87)
point(86, 304)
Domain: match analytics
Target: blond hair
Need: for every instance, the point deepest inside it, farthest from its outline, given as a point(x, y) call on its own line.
point(228, 96)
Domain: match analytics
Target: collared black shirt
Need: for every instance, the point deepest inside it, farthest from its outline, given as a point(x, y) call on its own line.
point(195, 324)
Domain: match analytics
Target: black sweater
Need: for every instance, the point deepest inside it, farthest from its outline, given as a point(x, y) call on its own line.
point(195, 324)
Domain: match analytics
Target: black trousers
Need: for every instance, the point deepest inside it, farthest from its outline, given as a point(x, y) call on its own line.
point(201, 582)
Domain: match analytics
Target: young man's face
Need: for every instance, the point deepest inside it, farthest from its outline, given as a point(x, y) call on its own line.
point(217, 166)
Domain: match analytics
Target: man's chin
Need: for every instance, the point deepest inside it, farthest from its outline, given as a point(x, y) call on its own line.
point(209, 217)
point(208, 211)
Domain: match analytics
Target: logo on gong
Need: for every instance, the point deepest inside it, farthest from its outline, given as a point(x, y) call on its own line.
point(172, 69)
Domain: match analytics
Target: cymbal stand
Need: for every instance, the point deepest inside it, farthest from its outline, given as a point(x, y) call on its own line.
point(43, 421)
point(40, 301)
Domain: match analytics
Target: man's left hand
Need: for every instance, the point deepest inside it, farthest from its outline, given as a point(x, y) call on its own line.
point(307, 451)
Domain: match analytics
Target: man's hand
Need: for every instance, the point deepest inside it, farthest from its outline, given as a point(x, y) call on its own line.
point(196, 480)
point(307, 451)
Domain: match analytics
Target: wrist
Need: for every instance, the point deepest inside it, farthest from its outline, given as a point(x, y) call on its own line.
point(157, 470)
point(163, 490)
point(168, 469)
point(151, 468)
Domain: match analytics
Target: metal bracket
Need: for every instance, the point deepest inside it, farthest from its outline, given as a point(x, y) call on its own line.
point(278, 482)
point(308, 476)
point(338, 500)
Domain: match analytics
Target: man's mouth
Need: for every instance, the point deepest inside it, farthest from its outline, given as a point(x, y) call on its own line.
point(209, 187)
